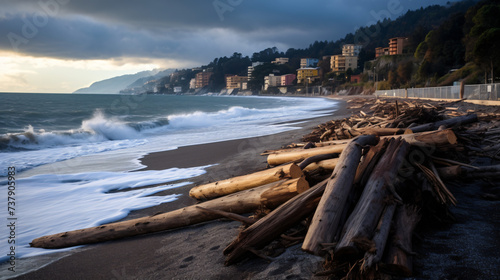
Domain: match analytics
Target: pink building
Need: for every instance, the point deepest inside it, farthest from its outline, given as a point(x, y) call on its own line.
point(287, 80)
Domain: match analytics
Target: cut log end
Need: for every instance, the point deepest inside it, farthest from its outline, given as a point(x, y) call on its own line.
point(295, 171)
point(452, 138)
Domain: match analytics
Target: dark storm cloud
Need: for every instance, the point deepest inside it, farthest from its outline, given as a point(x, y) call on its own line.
point(197, 30)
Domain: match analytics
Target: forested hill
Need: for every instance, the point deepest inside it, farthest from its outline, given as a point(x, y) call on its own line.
point(413, 24)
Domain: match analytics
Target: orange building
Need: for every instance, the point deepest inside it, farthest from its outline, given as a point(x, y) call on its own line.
point(397, 45)
point(381, 51)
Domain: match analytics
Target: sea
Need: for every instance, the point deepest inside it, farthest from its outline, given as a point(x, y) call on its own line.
point(66, 159)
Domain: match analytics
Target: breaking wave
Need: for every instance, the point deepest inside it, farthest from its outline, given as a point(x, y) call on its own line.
point(101, 128)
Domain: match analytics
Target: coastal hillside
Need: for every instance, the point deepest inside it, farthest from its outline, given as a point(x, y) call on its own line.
point(116, 84)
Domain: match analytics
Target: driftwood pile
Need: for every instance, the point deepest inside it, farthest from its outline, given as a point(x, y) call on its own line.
point(353, 192)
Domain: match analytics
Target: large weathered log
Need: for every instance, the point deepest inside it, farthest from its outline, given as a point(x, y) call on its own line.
point(431, 138)
point(301, 154)
point(365, 168)
point(328, 164)
point(447, 123)
point(366, 214)
point(446, 137)
point(240, 203)
point(398, 260)
point(369, 162)
point(380, 237)
point(275, 223)
point(327, 217)
point(245, 182)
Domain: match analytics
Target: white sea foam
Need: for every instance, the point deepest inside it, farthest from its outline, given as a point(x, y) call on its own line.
point(48, 204)
point(24, 160)
point(109, 128)
point(102, 133)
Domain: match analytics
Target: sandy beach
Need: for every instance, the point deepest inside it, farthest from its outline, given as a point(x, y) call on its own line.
point(194, 252)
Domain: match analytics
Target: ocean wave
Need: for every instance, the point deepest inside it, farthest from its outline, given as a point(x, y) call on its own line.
point(101, 128)
point(207, 119)
point(97, 129)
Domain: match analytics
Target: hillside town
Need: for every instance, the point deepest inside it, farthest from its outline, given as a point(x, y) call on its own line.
point(309, 76)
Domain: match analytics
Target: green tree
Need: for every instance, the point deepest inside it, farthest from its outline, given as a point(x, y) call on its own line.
point(479, 19)
point(486, 51)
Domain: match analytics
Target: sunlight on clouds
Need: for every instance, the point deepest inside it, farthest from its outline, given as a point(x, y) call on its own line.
point(40, 74)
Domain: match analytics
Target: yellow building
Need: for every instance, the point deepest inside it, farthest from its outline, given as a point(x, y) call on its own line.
point(341, 63)
point(308, 72)
point(351, 50)
point(233, 82)
point(202, 79)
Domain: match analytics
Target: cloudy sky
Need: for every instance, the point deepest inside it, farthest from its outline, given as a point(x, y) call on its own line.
point(63, 45)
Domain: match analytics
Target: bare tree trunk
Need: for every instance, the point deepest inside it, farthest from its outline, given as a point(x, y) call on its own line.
point(398, 260)
point(366, 214)
point(328, 214)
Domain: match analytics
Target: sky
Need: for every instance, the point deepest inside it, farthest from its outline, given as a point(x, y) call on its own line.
point(59, 46)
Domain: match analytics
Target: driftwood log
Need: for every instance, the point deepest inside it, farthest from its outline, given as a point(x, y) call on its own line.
point(242, 202)
point(446, 123)
point(398, 260)
point(274, 224)
point(245, 182)
point(380, 237)
point(456, 171)
point(365, 216)
point(432, 138)
point(301, 154)
point(327, 217)
point(328, 164)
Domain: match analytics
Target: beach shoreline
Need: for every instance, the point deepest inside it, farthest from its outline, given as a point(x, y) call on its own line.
point(186, 258)
point(195, 252)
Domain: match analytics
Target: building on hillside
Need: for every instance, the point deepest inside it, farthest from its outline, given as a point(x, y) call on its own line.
point(287, 80)
point(356, 79)
point(351, 50)
point(192, 83)
point(251, 68)
point(397, 45)
point(380, 51)
point(203, 79)
point(341, 63)
point(271, 81)
point(308, 62)
point(309, 73)
point(281, 60)
point(233, 82)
